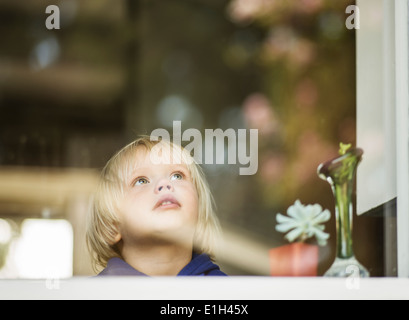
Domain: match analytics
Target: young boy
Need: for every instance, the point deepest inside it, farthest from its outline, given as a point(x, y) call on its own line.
point(153, 214)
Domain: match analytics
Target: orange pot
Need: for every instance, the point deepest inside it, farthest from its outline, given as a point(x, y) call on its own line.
point(294, 260)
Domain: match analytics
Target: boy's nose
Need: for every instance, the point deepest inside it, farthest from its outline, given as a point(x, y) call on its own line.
point(164, 186)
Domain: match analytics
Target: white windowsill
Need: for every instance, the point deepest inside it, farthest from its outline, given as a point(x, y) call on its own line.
point(209, 288)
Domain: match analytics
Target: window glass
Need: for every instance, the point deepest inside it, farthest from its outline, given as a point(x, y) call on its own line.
point(70, 97)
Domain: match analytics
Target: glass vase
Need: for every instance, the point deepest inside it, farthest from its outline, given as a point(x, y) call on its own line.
point(340, 174)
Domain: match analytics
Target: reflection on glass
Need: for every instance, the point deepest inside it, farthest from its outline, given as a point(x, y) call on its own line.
point(120, 68)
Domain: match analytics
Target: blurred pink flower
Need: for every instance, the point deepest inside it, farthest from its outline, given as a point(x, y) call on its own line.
point(279, 42)
point(306, 94)
point(272, 167)
point(247, 10)
point(311, 151)
point(309, 6)
point(259, 114)
point(283, 42)
point(302, 52)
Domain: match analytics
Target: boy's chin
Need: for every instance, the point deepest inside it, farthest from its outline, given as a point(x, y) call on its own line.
point(181, 235)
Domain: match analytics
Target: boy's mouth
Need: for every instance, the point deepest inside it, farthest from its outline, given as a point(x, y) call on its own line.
point(167, 202)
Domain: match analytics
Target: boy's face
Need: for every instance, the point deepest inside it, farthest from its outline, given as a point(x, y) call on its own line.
point(160, 204)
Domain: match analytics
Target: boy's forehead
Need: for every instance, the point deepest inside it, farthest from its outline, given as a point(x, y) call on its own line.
point(143, 159)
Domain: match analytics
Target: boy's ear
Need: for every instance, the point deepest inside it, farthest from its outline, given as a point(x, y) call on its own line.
point(117, 238)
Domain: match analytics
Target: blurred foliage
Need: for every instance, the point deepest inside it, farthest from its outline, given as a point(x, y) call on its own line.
point(306, 104)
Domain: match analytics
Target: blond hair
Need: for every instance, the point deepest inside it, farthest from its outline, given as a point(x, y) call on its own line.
point(102, 223)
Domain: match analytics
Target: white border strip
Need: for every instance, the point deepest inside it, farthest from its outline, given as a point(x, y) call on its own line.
point(402, 133)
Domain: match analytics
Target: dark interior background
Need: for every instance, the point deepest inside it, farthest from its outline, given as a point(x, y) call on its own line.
point(70, 98)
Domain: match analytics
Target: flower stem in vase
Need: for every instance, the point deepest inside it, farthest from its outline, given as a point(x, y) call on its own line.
point(340, 174)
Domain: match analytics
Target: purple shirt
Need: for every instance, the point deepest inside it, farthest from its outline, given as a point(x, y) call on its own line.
point(200, 265)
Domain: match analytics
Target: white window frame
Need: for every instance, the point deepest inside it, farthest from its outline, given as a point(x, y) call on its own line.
point(383, 113)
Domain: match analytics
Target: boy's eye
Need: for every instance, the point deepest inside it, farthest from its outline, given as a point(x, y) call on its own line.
point(140, 181)
point(176, 176)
